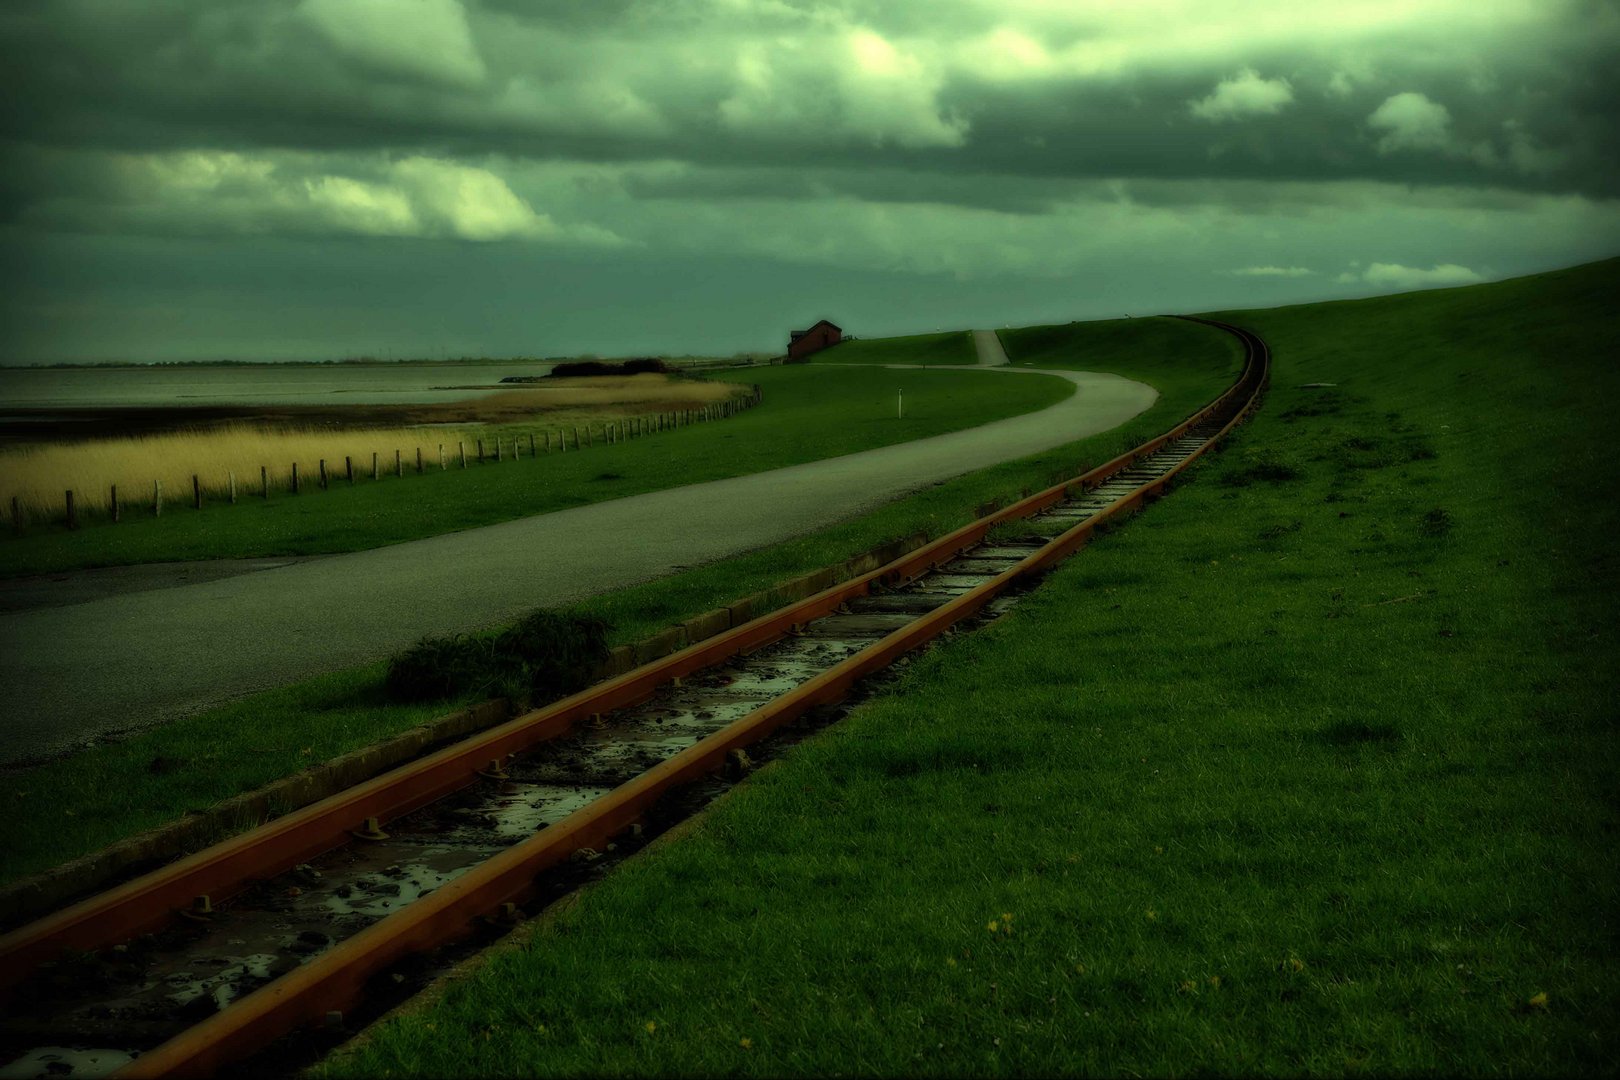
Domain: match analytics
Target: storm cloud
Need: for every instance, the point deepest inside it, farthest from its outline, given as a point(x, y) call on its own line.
point(1261, 146)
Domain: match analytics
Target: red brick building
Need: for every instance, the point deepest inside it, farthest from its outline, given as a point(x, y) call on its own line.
point(823, 335)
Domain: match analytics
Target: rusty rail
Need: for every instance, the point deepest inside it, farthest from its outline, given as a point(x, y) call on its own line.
point(336, 979)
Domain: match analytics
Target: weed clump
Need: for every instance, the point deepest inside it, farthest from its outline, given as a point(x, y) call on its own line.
point(545, 656)
point(1328, 403)
point(1378, 452)
point(1436, 523)
point(1280, 530)
point(1261, 464)
point(1356, 732)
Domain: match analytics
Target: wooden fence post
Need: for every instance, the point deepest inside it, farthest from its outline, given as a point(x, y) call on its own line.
point(531, 444)
point(480, 451)
point(157, 498)
point(348, 469)
point(264, 481)
point(461, 448)
point(419, 461)
point(323, 474)
point(114, 504)
point(16, 515)
point(442, 465)
point(548, 440)
point(374, 464)
point(295, 478)
point(196, 492)
point(230, 479)
point(497, 448)
point(399, 464)
point(72, 511)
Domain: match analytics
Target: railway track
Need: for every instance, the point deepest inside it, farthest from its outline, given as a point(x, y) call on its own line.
point(290, 926)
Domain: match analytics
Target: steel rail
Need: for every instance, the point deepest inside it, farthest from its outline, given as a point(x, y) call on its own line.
point(337, 978)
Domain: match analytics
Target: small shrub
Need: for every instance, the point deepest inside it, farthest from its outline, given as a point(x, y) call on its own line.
point(549, 654)
point(545, 656)
point(437, 668)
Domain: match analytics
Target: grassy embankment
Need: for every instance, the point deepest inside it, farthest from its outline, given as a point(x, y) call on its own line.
point(38, 473)
point(69, 807)
point(1308, 771)
point(808, 413)
point(954, 347)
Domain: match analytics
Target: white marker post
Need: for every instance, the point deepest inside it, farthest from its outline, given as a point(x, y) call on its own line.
point(900, 405)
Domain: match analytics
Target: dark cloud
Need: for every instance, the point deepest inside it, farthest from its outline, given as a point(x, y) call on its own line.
point(964, 138)
point(637, 81)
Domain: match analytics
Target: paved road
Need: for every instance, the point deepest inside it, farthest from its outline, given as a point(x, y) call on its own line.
point(116, 663)
point(991, 354)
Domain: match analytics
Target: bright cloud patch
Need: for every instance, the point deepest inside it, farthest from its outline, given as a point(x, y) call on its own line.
point(301, 194)
point(416, 39)
point(1244, 95)
point(1410, 121)
point(1396, 276)
point(861, 85)
point(1272, 271)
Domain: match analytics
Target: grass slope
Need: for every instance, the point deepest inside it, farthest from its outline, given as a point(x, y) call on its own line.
point(951, 347)
point(1308, 770)
point(1082, 345)
point(69, 807)
point(808, 414)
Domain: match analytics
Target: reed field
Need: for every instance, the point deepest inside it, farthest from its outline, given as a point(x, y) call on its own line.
point(148, 466)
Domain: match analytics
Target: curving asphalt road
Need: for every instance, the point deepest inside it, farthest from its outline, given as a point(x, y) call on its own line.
point(124, 661)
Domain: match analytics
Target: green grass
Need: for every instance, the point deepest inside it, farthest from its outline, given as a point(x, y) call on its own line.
point(951, 347)
point(1310, 769)
point(79, 804)
point(808, 413)
point(1082, 344)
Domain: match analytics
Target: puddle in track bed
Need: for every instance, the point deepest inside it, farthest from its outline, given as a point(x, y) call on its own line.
point(59, 1061)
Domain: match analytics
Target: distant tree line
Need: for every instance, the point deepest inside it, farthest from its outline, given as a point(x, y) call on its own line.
point(641, 365)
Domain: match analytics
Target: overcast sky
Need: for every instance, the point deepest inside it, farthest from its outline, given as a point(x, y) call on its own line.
point(189, 179)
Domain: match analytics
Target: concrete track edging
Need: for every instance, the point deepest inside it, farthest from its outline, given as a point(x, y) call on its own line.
point(31, 897)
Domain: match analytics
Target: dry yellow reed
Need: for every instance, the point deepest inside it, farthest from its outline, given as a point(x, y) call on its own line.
point(39, 475)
